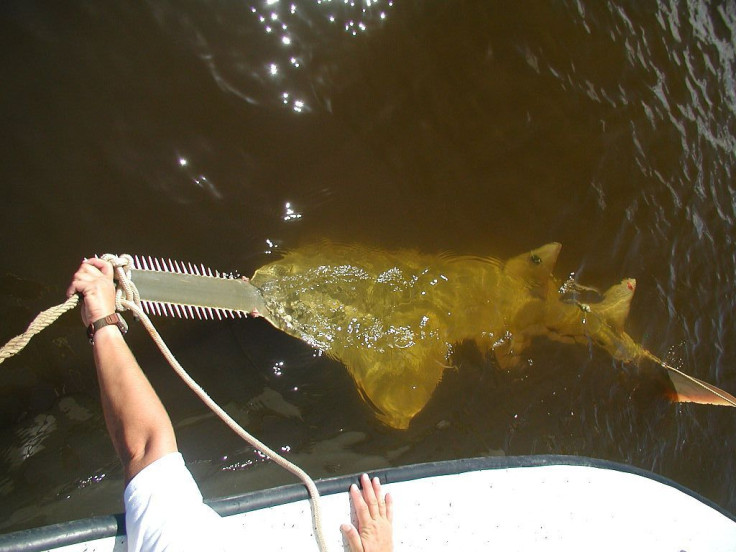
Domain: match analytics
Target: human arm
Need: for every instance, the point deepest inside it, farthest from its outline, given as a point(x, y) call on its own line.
point(375, 518)
point(136, 420)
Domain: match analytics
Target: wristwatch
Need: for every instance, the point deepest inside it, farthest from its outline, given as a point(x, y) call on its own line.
point(108, 320)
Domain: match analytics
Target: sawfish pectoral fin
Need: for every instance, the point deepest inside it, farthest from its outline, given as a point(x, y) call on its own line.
point(690, 389)
point(397, 386)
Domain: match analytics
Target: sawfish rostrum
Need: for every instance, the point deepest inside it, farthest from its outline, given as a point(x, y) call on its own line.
point(392, 317)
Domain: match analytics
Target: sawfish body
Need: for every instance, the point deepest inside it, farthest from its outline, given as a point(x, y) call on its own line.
point(392, 317)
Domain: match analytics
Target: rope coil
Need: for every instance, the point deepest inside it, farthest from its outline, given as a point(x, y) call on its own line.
point(128, 298)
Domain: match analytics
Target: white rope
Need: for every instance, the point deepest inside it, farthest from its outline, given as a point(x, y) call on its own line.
point(127, 298)
point(43, 320)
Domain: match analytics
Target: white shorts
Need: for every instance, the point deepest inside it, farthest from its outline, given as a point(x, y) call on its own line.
point(164, 511)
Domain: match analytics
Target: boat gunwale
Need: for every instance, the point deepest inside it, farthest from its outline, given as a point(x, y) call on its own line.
point(98, 527)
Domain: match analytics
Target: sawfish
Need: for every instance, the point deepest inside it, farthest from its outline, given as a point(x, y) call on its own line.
point(393, 317)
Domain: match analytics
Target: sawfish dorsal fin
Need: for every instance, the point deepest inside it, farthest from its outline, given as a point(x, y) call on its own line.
point(535, 267)
point(614, 308)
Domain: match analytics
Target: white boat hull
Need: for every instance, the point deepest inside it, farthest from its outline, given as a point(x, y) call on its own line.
point(535, 503)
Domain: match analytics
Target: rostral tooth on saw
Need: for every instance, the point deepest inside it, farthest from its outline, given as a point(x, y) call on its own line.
point(184, 290)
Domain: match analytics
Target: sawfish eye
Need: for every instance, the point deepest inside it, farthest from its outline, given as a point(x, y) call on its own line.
point(536, 259)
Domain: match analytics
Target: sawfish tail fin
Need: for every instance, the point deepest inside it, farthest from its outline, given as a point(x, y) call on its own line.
point(613, 310)
point(690, 389)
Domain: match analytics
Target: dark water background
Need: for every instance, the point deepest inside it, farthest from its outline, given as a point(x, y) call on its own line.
point(183, 130)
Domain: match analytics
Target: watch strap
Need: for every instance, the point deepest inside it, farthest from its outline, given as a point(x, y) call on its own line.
point(113, 319)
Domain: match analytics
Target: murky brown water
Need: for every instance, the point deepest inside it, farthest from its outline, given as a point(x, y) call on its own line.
point(221, 132)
